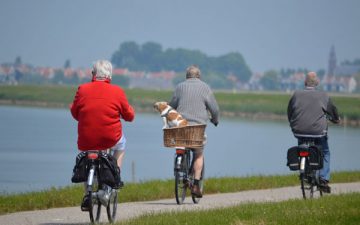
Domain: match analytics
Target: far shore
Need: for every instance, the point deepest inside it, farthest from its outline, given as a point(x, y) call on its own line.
point(227, 114)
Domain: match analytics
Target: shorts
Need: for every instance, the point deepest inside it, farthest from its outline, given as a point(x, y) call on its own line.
point(200, 150)
point(120, 146)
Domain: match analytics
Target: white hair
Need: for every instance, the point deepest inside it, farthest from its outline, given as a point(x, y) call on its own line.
point(311, 80)
point(193, 71)
point(102, 69)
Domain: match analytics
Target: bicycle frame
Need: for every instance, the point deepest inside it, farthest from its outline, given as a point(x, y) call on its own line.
point(94, 187)
point(309, 177)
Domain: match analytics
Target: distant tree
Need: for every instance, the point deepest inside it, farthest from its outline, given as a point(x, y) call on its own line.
point(128, 56)
point(67, 64)
point(271, 80)
point(122, 81)
point(233, 63)
point(356, 62)
point(151, 56)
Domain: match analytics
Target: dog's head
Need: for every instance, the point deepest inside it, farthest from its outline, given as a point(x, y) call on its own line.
point(160, 106)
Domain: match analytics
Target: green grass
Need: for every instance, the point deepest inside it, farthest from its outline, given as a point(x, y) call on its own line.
point(234, 104)
point(332, 209)
point(153, 190)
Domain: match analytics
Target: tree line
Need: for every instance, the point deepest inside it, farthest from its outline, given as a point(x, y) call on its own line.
point(151, 57)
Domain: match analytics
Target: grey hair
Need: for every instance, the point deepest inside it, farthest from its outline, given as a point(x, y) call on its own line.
point(193, 71)
point(102, 69)
point(311, 80)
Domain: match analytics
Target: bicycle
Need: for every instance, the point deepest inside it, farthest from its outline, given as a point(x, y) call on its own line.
point(184, 175)
point(189, 137)
point(97, 192)
point(307, 158)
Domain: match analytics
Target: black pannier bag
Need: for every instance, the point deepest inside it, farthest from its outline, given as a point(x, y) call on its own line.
point(316, 158)
point(293, 161)
point(109, 171)
point(80, 169)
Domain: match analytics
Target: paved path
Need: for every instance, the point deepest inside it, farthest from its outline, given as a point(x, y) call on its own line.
point(73, 215)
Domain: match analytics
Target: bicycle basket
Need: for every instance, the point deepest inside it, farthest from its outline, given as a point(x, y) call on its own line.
point(191, 136)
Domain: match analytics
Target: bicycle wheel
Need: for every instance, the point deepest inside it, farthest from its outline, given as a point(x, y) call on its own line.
point(181, 179)
point(95, 204)
point(307, 186)
point(112, 206)
point(195, 199)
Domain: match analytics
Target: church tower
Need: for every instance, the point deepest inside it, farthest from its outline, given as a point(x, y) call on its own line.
point(332, 62)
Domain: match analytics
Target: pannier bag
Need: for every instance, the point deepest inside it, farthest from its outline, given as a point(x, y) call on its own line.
point(80, 169)
point(109, 171)
point(293, 161)
point(315, 158)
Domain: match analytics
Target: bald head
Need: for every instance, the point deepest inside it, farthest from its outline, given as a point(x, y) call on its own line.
point(311, 80)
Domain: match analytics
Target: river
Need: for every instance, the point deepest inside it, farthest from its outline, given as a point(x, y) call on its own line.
point(38, 148)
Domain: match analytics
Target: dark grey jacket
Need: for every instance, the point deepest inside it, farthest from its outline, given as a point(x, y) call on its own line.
point(193, 99)
point(307, 112)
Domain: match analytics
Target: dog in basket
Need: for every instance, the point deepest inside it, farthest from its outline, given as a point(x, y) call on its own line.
point(170, 116)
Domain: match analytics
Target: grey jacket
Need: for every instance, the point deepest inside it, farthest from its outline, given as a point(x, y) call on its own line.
point(193, 99)
point(308, 111)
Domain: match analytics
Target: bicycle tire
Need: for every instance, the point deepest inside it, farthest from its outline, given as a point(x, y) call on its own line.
point(307, 186)
point(180, 187)
point(195, 199)
point(95, 204)
point(181, 179)
point(111, 208)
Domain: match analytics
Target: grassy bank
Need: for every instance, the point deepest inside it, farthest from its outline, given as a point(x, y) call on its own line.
point(152, 190)
point(249, 104)
point(329, 210)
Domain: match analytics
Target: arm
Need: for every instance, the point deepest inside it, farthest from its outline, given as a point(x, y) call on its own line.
point(213, 107)
point(290, 108)
point(74, 109)
point(174, 102)
point(127, 112)
point(332, 112)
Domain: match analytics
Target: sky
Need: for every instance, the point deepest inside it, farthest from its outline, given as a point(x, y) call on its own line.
point(270, 34)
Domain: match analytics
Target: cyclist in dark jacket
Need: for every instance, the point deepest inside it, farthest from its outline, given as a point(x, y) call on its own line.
point(308, 111)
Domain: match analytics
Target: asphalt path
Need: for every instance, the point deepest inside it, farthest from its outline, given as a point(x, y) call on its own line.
point(73, 215)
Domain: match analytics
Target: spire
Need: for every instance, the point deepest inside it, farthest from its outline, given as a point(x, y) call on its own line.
point(332, 62)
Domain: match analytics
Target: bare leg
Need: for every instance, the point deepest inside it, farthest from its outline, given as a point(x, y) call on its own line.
point(119, 156)
point(198, 165)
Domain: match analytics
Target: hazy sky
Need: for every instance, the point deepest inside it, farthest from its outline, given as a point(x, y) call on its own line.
point(270, 34)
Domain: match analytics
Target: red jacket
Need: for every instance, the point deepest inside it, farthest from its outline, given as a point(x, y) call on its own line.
point(98, 107)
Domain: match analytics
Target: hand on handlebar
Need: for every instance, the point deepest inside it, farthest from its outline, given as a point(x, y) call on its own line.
point(215, 122)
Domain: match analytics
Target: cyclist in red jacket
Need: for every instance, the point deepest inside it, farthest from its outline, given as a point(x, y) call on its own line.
point(98, 107)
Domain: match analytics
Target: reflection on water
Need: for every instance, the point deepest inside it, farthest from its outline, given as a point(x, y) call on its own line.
point(38, 148)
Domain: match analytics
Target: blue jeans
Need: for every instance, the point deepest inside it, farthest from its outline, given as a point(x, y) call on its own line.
point(323, 142)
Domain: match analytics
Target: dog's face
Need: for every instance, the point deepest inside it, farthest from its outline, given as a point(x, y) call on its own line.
point(160, 106)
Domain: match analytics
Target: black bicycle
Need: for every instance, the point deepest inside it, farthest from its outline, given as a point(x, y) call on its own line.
point(97, 192)
point(308, 159)
point(184, 175)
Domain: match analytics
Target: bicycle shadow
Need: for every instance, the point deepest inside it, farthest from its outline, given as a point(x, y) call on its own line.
point(65, 223)
point(167, 203)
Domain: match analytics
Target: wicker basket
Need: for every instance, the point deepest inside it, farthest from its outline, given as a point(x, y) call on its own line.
point(191, 136)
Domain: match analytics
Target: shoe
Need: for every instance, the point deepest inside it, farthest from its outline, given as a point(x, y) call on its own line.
point(85, 205)
point(195, 190)
point(324, 186)
point(119, 185)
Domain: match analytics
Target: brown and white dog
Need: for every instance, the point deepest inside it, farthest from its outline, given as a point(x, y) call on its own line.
point(171, 117)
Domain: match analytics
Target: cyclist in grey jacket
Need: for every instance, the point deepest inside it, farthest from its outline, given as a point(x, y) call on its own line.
point(308, 111)
point(194, 100)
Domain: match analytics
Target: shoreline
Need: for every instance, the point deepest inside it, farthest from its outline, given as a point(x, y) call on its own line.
point(227, 114)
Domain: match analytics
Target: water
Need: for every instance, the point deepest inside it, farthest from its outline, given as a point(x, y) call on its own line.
point(38, 148)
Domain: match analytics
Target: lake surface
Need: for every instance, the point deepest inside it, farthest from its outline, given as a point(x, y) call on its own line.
point(38, 148)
